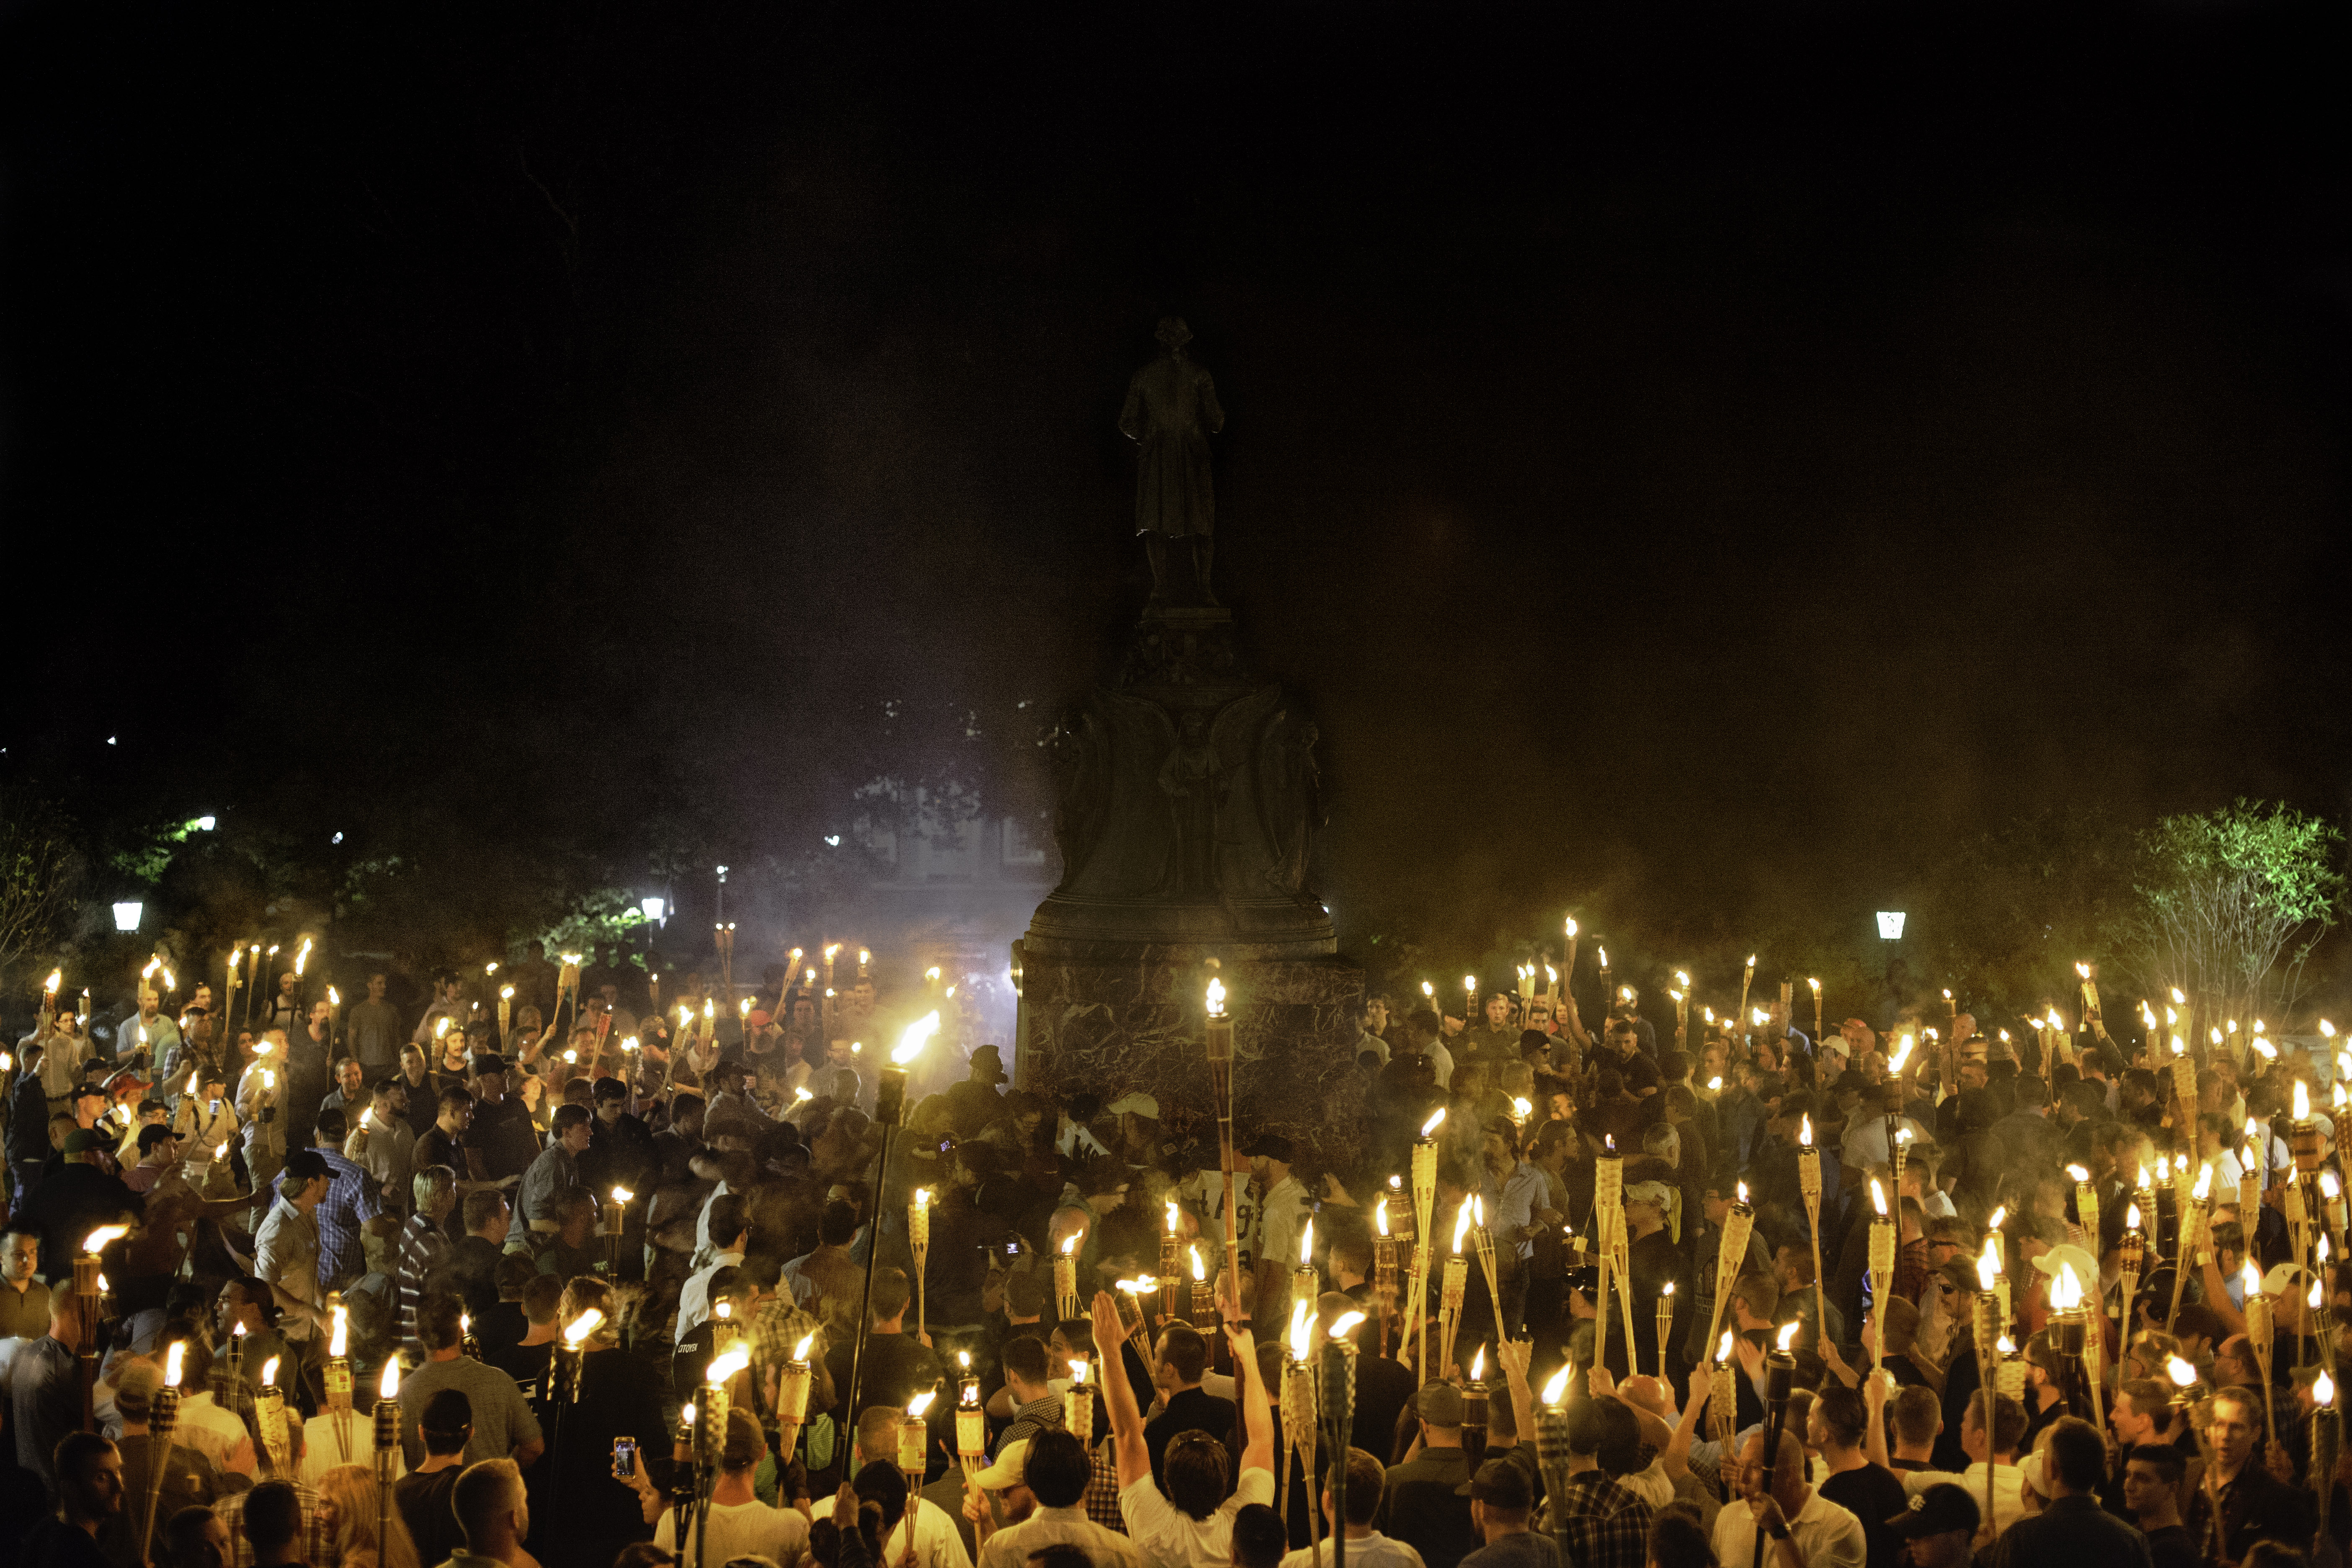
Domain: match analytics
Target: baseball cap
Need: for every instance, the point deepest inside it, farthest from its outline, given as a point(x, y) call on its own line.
point(1440, 1405)
point(1500, 1482)
point(81, 1140)
point(1010, 1466)
point(1270, 1146)
point(1941, 1507)
point(1141, 1104)
point(488, 1061)
point(761, 1018)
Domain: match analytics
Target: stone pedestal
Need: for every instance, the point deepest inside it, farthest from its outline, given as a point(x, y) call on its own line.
point(1189, 805)
point(1135, 1022)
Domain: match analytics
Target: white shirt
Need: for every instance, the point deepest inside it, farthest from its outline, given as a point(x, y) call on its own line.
point(1010, 1547)
point(694, 1296)
point(1828, 1535)
point(321, 1452)
point(738, 1530)
point(214, 1433)
point(938, 1543)
point(704, 1249)
point(2008, 1493)
point(1441, 1063)
point(1651, 1485)
point(1169, 1537)
point(1279, 1217)
point(1374, 1551)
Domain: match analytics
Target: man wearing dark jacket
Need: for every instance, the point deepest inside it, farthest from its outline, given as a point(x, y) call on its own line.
point(2073, 1529)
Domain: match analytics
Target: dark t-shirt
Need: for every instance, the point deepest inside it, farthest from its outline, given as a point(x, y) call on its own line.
point(897, 1367)
point(1872, 1494)
point(425, 1507)
point(1194, 1409)
point(2171, 1547)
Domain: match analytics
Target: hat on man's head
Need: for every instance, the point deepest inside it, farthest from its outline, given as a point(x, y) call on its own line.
point(990, 1057)
point(81, 1140)
point(1941, 1508)
point(1010, 1468)
point(307, 1163)
point(761, 1018)
point(1141, 1104)
point(488, 1061)
point(1270, 1146)
point(1439, 1403)
point(1500, 1484)
point(1853, 1081)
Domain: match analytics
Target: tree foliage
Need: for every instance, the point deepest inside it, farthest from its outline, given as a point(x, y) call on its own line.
point(39, 870)
point(2233, 901)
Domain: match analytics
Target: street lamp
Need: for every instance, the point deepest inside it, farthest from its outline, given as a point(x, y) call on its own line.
point(1890, 925)
point(653, 909)
point(126, 915)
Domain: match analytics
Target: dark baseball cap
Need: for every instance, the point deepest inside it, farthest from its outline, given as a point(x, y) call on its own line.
point(1501, 1483)
point(1938, 1510)
point(1440, 1405)
point(81, 1140)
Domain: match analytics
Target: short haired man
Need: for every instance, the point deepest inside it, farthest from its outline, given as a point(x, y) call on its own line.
point(1836, 1427)
point(24, 1297)
point(1055, 1469)
point(1805, 1529)
point(1187, 1517)
point(424, 1249)
point(1996, 1453)
point(1366, 1546)
point(286, 1253)
point(1029, 1389)
point(556, 1170)
point(940, 1537)
point(1259, 1538)
point(2152, 1477)
point(88, 1493)
point(1185, 1405)
point(1501, 1497)
point(1937, 1530)
point(474, 1260)
point(736, 1522)
point(1599, 1519)
point(1421, 1500)
point(2255, 1504)
point(731, 1231)
point(2072, 1528)
point(158, 1151)
point(422, 1495)
point(1916, 1416)
point(493, 1514)
point(897, 1365)
point(502, 1423)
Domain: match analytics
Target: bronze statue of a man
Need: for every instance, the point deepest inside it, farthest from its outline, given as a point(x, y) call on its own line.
point(1171, 411)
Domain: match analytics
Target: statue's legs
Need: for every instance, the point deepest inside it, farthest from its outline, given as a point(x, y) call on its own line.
point(1155, 550)
point(1203, 547)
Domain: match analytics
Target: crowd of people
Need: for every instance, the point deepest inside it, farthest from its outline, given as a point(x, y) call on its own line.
point(555, 1223)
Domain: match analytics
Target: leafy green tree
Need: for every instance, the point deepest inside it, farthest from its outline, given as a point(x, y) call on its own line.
point(2230, 904)
point(39, 868)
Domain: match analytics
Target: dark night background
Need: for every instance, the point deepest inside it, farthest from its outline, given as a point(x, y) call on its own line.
point(1704, 466)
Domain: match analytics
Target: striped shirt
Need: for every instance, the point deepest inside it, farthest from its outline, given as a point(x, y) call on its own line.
point(423, 1250)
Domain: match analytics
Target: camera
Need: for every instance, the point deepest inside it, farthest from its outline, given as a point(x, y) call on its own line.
point(625, 1456)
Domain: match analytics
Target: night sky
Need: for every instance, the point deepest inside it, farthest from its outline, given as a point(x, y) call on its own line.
point(1692, 460)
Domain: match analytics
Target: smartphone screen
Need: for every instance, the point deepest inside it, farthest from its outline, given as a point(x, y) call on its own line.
point(624, 1455)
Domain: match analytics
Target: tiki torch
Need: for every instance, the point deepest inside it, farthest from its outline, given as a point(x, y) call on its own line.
point(88, 1284)
point(919, 1242)
point(338, 1376)
point(1219, 1040)
point(387, 1444)
point(163, 1416)
point(1808, 1186)
point(1171, 1264)
point(1424, 1198)
point(1882, 1270)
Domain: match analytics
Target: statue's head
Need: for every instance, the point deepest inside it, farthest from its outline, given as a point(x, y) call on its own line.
point(1193, 724)
point(1173, 334)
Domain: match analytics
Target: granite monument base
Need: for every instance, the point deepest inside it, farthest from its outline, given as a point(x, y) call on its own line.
point(1114, 1023)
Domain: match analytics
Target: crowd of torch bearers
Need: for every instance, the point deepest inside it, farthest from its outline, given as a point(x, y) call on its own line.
point(2167, 1216)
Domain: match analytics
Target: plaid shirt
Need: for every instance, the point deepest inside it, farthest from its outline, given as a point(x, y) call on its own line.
point(1101, 1501)
point(1599, 1524)
point(317, 1544)
point(1037, 1416)
point(422, 1251)
point(351, 1202)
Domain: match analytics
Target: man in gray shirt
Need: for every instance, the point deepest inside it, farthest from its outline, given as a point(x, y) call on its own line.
point(372, 1030)
point(504, 1426)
